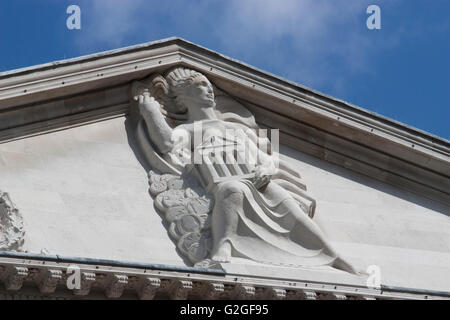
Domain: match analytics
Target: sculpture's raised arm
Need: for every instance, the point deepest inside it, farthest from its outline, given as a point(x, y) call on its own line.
point(159, 131)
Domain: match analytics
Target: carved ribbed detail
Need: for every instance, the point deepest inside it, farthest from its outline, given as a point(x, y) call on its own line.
point(87, 280)
point(307, 295)
point(15, 277)
point(274, 294)
point(211, 290)
point(244, 292)
point(339, 297)
point(331, 296)
point(49, 280)
point(116, 285)
point(148, 288)
point(179, 289)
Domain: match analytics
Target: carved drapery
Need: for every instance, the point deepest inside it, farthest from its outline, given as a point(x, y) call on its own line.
point(257, 210)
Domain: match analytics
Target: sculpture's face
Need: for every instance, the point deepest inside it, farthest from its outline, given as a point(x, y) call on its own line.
point(201, 91)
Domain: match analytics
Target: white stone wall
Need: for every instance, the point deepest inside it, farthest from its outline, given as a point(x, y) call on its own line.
point(83, 192)
point(370, 222)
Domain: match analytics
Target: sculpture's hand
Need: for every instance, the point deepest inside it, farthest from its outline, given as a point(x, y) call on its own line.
point(262, 177)
point(137, 89)
point(141, 93)
point(147, 104)
point(159, 131)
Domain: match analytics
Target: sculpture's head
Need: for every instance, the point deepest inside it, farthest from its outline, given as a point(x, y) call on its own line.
point(190, 89)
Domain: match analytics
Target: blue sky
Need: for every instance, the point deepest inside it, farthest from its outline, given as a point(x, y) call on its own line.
point(401, 71)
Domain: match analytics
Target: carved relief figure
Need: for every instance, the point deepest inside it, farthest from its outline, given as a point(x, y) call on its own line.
point(12, 233)
point(221, 208)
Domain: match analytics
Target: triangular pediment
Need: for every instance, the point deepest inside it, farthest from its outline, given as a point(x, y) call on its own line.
point(88, 88)
point(81, 164)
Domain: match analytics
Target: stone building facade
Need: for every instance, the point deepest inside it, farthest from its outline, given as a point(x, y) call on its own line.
point(76, 199)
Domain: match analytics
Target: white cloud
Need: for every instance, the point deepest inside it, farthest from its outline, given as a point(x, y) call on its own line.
point(314, 42)
point(109, 22)
point(306, 32)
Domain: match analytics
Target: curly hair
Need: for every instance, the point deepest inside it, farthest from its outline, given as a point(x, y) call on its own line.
point(178, 79)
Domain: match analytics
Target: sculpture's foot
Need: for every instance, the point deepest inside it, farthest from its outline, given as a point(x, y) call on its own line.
point(345, 266)
point(223, 254)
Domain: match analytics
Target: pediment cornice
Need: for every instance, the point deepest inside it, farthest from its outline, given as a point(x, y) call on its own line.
point(49, 96)
point(32, 276)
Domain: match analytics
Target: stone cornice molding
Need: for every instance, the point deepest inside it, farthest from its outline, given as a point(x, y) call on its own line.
point(43, 279)
point(309, 121)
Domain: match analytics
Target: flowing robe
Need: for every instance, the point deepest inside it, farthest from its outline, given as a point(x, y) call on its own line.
point(268, 225)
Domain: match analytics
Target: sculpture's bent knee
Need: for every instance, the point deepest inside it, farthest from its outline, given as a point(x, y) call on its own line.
point(229, 198)
point(225, 189)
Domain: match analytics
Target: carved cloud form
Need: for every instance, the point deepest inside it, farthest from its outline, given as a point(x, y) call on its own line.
point(12, 232)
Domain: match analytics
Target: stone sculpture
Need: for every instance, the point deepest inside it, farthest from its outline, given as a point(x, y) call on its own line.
point(220, 206)
point(12, 233)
